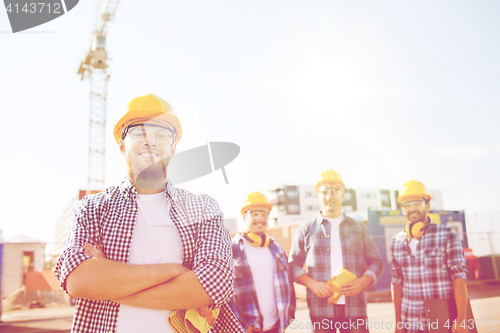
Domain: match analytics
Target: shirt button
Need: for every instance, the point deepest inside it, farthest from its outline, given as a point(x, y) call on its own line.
point(134, 209)
point(327, 236)
point(327, 250)
point(327, 266)
point(129, 234)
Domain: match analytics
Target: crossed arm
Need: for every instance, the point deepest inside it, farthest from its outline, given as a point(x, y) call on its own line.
point(158, 286)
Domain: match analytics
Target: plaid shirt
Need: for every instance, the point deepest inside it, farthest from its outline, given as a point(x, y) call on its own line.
point(311, 245)
point(244, 302)
point(428, 275)
point(108, 219)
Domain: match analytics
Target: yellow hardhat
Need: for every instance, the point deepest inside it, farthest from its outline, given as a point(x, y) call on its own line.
point(413, 188)
point(329, 177)
point(255, 199)
point(149, 108)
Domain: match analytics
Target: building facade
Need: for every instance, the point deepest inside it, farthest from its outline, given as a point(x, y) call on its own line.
point(295, 203)
point(21, 255)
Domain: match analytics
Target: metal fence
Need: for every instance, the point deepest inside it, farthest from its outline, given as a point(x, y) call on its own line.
point(485, 247)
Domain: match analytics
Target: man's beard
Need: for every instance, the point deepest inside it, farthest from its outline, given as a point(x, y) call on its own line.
point(154, 176)
point(416, 217)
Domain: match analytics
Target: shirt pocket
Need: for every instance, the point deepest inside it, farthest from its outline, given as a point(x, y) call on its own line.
point(434, 258)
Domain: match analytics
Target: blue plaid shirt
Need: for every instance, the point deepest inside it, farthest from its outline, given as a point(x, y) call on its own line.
point(244, 302)
point(311, 245)
point(428, 275)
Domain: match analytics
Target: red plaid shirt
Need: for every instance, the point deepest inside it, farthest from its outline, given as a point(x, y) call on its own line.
point(108, 219)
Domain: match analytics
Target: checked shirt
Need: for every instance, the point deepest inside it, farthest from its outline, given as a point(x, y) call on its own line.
point(311, 245)
point(428, 275)
point(108, 219)
point(244, 302)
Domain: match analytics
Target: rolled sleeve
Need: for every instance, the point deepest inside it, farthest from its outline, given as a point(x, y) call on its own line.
point(213, 263)
point(455, 254)
point(297, 255)
point(73, 253)
point(372, 256)
point(372, 275)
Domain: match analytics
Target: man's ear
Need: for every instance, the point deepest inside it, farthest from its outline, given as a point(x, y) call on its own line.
point(172, 149)
point(121, 143)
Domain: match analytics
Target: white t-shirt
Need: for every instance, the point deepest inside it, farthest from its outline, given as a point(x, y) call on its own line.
point(155, 240)
point(260, 260)
point(336, 260)
point(413, 246)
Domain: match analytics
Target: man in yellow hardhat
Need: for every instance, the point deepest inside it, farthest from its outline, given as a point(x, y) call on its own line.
point(141, 250)
point(427, 263)
point(330, 244)
point(264, 298)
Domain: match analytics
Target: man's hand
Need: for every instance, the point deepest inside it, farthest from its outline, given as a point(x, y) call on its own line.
point(208, 314)
point(461, 300)
point(397, 294)
point(94, 251)
point(356, 286)
point(321, 289)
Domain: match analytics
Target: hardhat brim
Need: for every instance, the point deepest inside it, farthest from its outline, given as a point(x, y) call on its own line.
point(426, 197)
point(264, 204)
point(322, 182)
point(148, 116)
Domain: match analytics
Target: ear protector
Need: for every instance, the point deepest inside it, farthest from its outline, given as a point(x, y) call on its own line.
point(256, 240)
point(416, 229)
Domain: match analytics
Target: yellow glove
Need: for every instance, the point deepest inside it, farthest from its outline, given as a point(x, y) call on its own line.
point(193, 320)
point(342, 276)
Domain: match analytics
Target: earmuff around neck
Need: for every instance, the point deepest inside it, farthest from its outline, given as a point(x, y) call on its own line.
point(256, 240)
point(416, 229)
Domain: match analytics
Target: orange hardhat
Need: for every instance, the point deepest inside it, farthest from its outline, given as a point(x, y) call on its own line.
point(149, 108)
point(255, 199)
point(413, 188)
point(329, 177)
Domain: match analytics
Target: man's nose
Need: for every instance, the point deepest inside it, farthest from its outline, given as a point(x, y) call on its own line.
point(150, 140)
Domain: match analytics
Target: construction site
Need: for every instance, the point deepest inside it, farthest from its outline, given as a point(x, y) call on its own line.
point(269, 95)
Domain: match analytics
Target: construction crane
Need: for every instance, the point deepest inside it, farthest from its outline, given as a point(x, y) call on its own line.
point(94, 67)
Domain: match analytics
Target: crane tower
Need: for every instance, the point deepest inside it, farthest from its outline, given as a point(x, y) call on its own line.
point(94, 67)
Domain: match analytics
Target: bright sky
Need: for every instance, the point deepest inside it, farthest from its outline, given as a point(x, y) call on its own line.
point(382, 92)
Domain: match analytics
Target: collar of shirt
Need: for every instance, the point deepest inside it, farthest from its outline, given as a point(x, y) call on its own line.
point(127, 188)
point(321, 221)
point(238, 238)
